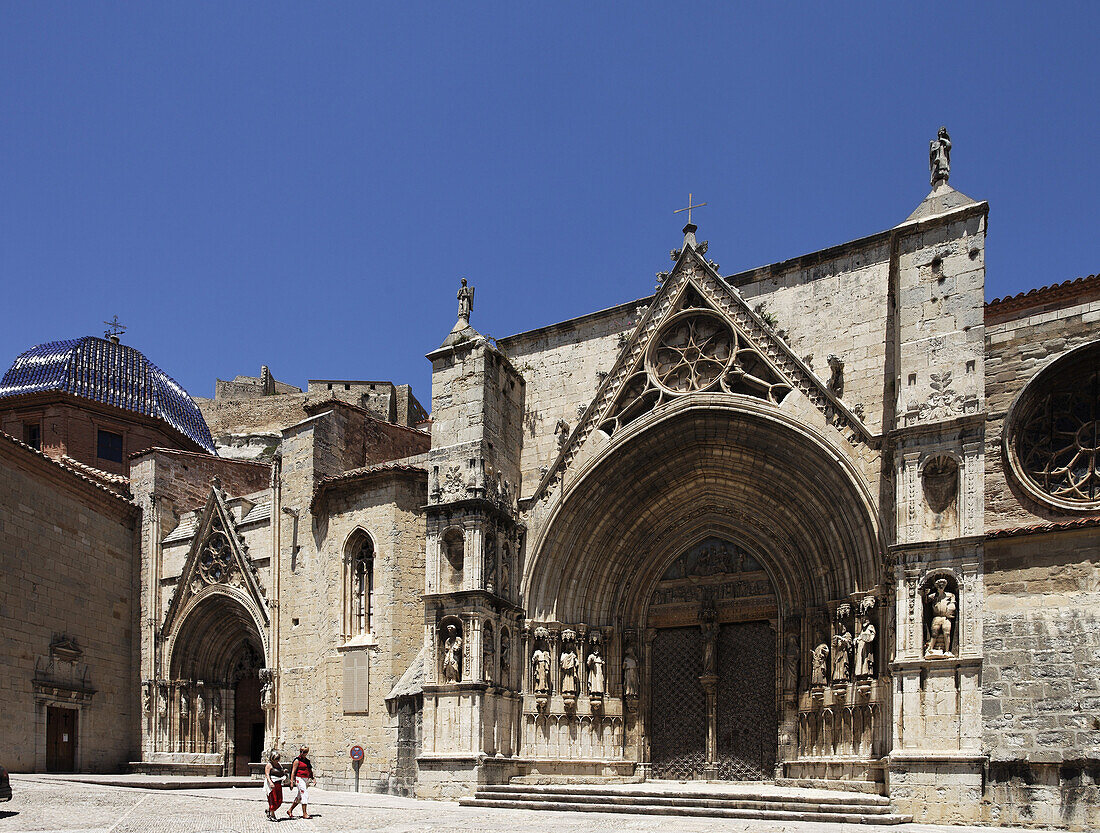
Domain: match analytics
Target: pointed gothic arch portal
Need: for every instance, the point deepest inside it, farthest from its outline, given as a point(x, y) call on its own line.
point(214, 703)
point(710, 542)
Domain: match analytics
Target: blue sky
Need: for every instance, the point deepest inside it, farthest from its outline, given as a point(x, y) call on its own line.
point(303, 185)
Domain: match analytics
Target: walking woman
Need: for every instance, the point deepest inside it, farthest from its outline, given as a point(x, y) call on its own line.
point(301, 774)
point(273, 784)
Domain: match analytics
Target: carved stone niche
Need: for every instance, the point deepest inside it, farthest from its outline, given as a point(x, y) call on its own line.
point(940, 483)
point(454, 548)
point(940, 596)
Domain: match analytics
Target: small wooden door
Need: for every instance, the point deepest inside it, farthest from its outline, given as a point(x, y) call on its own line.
point(60, 739)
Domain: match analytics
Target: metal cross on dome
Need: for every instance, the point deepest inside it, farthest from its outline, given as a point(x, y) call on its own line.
point(116, 327)
point(689, 207)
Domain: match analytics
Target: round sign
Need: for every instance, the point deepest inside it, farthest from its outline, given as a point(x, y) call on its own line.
point(357, 753)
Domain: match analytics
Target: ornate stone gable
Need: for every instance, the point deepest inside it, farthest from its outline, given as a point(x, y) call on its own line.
point(218, 558)
point(699, 335)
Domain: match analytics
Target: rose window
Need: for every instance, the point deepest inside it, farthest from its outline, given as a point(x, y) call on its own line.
point(692, 353)
point(1054, 432)
point(216, 559)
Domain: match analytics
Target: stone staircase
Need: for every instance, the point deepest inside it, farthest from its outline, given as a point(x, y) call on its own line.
point(753, 800)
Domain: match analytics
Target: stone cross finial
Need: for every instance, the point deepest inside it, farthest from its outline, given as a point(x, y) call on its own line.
point(939, 157)
point(465, 303)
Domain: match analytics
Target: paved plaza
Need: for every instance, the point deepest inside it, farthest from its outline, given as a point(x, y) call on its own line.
point(50, 803)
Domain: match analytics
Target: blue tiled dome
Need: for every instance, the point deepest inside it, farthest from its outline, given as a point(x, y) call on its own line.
point(115, 374)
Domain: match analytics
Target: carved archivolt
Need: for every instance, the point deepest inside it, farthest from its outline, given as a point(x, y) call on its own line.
point(696, 350)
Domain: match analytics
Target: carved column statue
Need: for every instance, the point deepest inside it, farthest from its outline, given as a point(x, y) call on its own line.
point(865, 651)
point(630, 673)
point(596, 663)
point(540, 666)
point(842, 646)
point(569, 667)
point(819, 663)
point(792, 658)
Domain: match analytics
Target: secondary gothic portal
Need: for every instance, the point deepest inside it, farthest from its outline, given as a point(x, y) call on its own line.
point(713, 666)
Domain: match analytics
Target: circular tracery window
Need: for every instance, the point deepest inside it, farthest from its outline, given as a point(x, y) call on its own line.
point(216, 559)
point(692, 352)
point(1054, 432)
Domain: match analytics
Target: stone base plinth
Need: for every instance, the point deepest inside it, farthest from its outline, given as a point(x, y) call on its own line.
point(937, 788)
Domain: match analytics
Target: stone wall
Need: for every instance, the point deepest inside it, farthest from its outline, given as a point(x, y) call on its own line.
point(1020, 342)
point(317, 642)
point(832, 302)
point(562, 366)
point(68, 561)
point(1041, 678)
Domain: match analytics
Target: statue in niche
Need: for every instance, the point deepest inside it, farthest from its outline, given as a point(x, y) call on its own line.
point(595, 670)
point(452, 655)
point(630, 674)
point(842, 644)
point(185, 704)
point(216, 705)
point(939, 157)
point(570, 666)
point(488, 654)
point(490, 563)
point(505, 572)
point(162, 700)
point(865, 652)
point(505, 658)
point(819, 675)
point(200, 704)
point(540, 661)
point(942, 607)
point(146, 696)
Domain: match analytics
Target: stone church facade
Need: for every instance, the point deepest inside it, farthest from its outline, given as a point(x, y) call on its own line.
point(832, 519)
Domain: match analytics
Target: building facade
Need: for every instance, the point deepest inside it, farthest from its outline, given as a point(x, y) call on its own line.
point(832, 519)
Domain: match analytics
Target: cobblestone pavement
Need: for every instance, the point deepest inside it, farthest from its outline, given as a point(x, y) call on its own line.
point(42, 803)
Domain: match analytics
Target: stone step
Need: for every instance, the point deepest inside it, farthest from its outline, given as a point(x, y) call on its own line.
point(875, 787)
point(860, 801)
point(681, 809)
point(710, 802)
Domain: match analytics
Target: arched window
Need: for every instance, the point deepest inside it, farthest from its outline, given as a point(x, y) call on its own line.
point(360, 584)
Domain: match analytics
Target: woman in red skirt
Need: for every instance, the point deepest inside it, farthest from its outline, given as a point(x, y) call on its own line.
point(273, 784)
